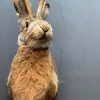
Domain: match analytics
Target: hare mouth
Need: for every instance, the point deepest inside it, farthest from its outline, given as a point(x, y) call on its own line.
point(43, 40)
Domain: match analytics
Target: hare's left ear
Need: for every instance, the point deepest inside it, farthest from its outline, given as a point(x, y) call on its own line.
point(40, 9)
point(45, 12)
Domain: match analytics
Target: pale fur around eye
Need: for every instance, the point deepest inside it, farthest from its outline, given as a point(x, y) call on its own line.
point(32, 25)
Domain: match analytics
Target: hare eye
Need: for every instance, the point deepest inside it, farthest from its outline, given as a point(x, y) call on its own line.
point(27, 24)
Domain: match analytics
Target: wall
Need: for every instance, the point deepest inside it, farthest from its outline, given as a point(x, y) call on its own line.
point(76, 46)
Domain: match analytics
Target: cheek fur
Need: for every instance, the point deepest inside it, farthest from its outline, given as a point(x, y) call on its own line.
point(22, 39)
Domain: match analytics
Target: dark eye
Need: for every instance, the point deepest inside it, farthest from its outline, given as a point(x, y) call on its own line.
point(27, 24)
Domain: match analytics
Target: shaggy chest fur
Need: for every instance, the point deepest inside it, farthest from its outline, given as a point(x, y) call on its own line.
point(33, 75)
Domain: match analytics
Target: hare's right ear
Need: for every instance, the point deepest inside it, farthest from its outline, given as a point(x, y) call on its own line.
point(24, 10)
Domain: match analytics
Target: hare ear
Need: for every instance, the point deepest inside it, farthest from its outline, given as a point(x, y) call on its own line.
point(40, 9)
point(45, 12)
point(29, 8)
point(23, 9)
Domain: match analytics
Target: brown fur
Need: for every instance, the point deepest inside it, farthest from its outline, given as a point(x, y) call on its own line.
point(33, 75)
point(40, 9)
point(23, 8)
point(24, 11)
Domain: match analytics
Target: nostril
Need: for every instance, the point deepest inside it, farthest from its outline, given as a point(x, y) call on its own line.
point(45, 30)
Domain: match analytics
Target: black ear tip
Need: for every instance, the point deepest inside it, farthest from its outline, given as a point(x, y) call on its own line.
point(47, 4)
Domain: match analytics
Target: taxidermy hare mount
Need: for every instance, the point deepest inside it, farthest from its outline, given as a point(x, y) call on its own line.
point(33, 74)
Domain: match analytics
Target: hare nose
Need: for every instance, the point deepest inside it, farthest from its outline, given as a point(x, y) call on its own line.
point(45, 30)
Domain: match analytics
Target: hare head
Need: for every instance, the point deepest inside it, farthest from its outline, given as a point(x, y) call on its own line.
point(35, 32)
point(37, 35)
